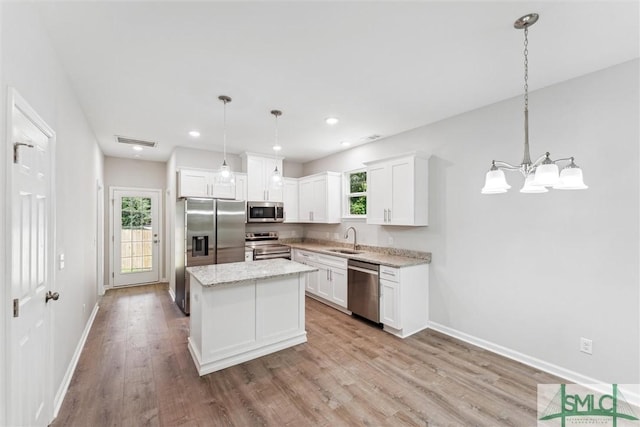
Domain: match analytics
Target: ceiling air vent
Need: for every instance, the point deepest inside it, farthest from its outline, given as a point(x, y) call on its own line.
point(131, 141)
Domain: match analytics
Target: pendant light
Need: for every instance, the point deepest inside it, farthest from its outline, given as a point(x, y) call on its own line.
point(543, 172)
point(224, 175)
point(276, 176)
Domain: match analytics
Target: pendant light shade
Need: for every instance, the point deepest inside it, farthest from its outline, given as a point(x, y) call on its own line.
point(544, 171)
point(225, 174)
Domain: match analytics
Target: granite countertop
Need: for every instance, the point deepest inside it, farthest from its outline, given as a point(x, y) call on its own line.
point(382, 256)
point(238, 272)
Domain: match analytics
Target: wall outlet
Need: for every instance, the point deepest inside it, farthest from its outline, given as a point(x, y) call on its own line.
point(390, 241)
point(586, 345)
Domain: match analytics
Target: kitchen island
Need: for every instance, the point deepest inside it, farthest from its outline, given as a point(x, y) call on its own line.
point(244, 310)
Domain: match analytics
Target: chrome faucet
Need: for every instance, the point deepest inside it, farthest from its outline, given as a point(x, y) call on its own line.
point(346, 236)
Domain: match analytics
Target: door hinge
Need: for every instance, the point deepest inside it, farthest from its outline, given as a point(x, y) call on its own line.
point(16, 307)
point(113, 275)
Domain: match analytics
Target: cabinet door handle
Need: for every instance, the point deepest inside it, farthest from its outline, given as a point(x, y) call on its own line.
point(389, 215)
point(385, 215)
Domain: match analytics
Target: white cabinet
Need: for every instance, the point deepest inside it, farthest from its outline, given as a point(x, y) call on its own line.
point(397, 190)
point(320, 198)
point(259, 183)
point(241, 186)
point(329, 283)
point(404, 299)
point(390, 297)
point(203, 183)
point(290, 199)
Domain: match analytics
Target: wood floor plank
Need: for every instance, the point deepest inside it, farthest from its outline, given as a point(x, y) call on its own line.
point(136, 370)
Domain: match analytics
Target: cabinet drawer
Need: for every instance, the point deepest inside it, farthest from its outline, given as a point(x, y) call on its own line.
point(304, 256)
point(390, 273)
point(332, 261)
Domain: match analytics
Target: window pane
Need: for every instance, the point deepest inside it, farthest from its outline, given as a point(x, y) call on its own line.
point(358, 205)
point(358, 182)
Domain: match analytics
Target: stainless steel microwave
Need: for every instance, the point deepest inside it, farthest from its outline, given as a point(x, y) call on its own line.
point(265, 212)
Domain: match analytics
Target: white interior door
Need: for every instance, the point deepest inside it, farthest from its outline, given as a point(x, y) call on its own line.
point(30, 395)
point(99, 242)
point(135, 237)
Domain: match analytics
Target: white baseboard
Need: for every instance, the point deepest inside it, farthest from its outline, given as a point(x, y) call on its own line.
point(64, 386)
point(632, 396)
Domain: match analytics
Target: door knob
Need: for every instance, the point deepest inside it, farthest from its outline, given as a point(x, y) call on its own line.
point(51, 295)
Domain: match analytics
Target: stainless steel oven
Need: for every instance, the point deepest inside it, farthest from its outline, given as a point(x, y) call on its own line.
point(265, 245)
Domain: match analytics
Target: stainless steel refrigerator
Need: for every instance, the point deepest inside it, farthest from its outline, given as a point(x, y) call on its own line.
point(208, 231)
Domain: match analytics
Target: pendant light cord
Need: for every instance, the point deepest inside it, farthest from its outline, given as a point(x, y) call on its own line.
point(224, 131)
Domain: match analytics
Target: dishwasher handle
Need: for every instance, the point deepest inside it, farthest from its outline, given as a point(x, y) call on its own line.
point(363, 270)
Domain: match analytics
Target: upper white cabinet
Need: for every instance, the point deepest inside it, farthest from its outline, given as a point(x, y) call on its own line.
point(290, 199)
point(259, 184)
point(241, 186)
point(202, 183)
point(320, 198)
point(397, 190)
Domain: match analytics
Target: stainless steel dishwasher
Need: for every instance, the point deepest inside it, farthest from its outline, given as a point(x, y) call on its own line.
point(363, 289)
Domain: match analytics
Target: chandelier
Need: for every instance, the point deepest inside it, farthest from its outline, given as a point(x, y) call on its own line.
point(542, 173)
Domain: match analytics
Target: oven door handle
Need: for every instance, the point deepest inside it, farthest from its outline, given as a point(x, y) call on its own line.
point(272, 256)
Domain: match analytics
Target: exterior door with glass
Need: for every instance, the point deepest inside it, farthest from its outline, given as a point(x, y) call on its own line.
point(136, 224)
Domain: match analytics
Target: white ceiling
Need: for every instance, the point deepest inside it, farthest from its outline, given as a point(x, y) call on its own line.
point(154, 70)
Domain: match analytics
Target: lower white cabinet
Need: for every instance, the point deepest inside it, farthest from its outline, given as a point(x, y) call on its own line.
point(390, 304)
point(329, 283)
point(404, 299)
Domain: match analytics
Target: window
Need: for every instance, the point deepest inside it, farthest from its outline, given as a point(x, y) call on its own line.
point(356, 193)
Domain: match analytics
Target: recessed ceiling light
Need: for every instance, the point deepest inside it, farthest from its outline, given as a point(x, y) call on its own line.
point(194, 133)
point(331, 120)
point(277, 147)
point(345, 143)
point(137, 148)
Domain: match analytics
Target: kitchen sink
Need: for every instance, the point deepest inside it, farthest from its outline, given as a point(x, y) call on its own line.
point(345, 251)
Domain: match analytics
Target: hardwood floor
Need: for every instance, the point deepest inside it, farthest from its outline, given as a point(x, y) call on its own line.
point(135, 370)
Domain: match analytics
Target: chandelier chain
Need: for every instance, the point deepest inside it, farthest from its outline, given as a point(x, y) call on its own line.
point(526, 68)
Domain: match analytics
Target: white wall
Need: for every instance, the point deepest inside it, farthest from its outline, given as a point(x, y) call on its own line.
point(532, 272)
point(30, 65)
point(4, 299)
point(134, 173)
